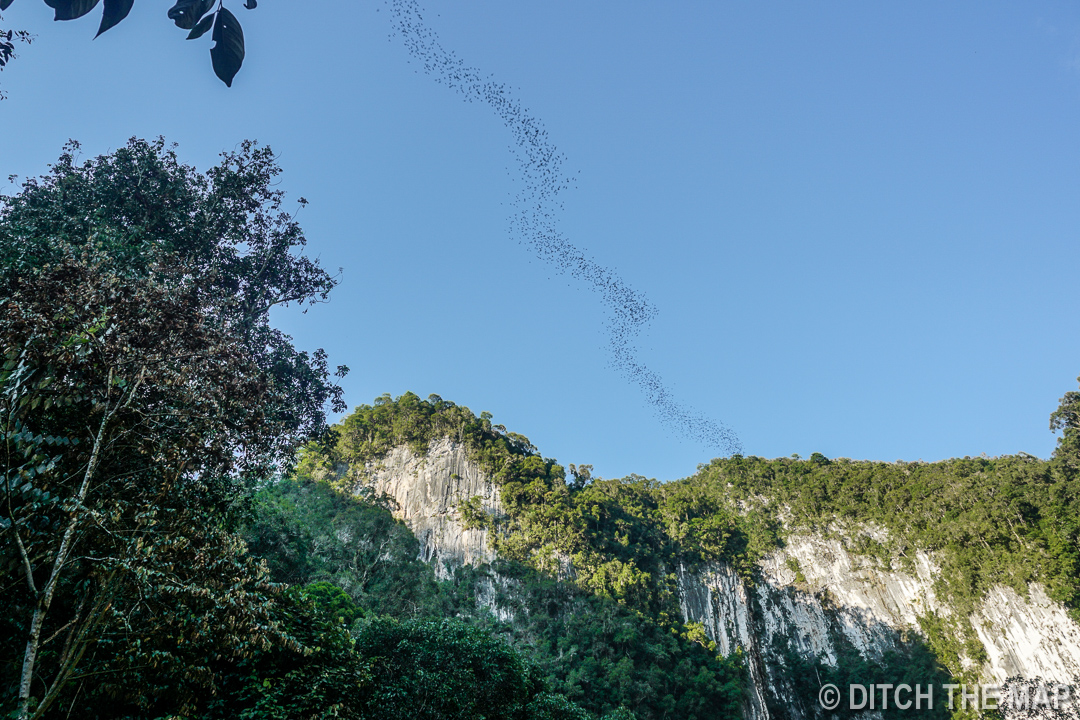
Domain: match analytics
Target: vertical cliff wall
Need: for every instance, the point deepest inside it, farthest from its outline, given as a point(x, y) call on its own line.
point(425, 490)
point(1029, 636)
point(810, 598)
point(815, 594)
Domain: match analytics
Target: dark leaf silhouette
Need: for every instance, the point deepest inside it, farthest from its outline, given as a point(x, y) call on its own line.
point(195, 16)
point(115, 11)
point(227, 54)
point(71, 9)
point(199, 30)
point(185, 13)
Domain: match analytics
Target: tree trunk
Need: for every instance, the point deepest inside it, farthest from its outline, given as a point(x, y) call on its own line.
point(46, 595)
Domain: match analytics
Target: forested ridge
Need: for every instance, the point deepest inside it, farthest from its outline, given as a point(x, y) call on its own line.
point(1010, 520)
point(181, 534)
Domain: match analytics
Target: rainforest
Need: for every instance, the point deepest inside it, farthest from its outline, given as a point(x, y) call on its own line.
point(184, 534)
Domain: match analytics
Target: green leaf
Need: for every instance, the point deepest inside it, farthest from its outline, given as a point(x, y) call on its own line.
point(71, 9)
point(115, 11)
point(227, 55)
point(199, 30)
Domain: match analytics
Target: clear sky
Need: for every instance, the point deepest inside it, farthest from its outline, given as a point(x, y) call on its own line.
point(857, 221)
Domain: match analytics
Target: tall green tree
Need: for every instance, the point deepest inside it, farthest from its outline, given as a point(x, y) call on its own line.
point(143, 394)
point(225, 230)
point(1066, 419)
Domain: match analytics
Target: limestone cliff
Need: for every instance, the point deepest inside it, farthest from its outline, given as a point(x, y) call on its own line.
point(811, 596)
point(842, 597)
point(425, 490)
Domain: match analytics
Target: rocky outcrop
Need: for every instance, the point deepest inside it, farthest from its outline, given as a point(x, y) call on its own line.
point(425, 491)
point(1027, 637)
point(812, 596)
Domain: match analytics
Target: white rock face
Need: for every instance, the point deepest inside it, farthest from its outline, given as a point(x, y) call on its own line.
point(841, 597)
point(1029, 637)
point(848, 596)
point(426, 489)
point(716, 597)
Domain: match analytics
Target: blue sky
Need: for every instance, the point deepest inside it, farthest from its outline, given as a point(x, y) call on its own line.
point(858, 222)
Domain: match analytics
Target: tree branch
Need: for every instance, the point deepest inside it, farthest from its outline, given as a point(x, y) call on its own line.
point(45, 598)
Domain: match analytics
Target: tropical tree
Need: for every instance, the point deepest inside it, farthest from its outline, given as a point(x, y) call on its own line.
point(143, 395)
point(224, 231)
point(428, 670)
point(1067, 420)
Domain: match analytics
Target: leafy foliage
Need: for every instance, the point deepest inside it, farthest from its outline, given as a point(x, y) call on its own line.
point(8, 38)
point(605, 656)
point(1010, 520)
point(197, 16)
point(126, 413)
point(446, 669)
point(1067, 419)
point(311, 535)
point(142, 393)
point(624, 538)
point(589, 650)
point(228, 237)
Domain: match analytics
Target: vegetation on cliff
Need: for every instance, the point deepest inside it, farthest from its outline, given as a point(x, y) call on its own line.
point(1003, 521)
point(591, 650)
point(1009, 520)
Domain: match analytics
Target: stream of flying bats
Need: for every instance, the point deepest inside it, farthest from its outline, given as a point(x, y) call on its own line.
point(535, 224)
